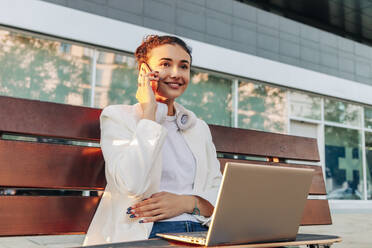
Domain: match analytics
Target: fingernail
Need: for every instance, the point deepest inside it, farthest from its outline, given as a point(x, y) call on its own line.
point(128, 211)
point(132, 216)
point(141, 221)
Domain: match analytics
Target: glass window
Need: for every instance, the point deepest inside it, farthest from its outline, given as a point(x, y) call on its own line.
point(262, 107)
point(342, 112)
point(99, 76)
point(97, 98)
point(368, 137)
point(343, 158)
point(101, 58)
point(87, 52)
point(65, 48)
point(368, 117)
point(42, 69)
point(118, 59)
point(209, 97)
point(305, 106)
point(118, 82)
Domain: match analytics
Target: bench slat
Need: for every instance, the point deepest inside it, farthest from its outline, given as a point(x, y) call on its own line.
point(77, 167)
point(44, 215)
point(49, 119)
point(316, 212)
point(258, 143)
point(317, 185)
point(40, 165)
point(30, 215)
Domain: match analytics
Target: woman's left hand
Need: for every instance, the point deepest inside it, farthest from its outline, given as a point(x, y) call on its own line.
point(162, 205)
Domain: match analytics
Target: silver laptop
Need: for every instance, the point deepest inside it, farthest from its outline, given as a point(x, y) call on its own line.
point(255, 204)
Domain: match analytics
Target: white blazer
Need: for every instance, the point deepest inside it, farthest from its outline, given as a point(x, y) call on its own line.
point(132, 151)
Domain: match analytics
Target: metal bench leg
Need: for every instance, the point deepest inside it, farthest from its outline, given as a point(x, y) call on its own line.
point(319, 246)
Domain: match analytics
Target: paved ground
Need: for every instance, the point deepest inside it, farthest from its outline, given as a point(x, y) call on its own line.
point(355, 229)
point(42, 241)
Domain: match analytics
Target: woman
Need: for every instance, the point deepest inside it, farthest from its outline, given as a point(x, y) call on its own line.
point(161, 166)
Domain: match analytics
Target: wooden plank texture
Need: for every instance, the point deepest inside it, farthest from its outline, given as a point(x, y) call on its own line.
point(33, 215)
point(30, 215)
point(264, 144)
point(316, 212)
point(317, 185)
point(39, 165)
point(48, 119)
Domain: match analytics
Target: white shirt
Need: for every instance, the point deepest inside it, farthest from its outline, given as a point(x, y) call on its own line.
point(179, 165)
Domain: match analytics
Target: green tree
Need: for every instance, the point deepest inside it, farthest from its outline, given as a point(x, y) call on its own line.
point(123, 85)
point(209, 97)
point(262, 107)
point(34, 68)
point(341, 112)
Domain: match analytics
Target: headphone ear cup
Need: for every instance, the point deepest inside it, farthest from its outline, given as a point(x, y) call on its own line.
point(185, 120)
point(161, 112)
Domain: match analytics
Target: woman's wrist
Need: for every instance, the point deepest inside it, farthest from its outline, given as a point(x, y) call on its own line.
point(149, 111)
point(189, 203)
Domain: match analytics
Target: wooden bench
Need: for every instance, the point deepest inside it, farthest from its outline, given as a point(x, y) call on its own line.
point(52, 157)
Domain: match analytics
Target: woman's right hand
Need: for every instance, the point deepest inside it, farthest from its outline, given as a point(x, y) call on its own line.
point(145, 94)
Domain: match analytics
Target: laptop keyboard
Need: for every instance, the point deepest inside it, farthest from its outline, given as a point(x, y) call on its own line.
point(190, 237)
point(193, 235)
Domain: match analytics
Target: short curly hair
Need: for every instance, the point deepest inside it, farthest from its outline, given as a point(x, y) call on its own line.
point(152, 41)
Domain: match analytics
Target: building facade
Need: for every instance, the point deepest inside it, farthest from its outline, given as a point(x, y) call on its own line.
point(251, 69)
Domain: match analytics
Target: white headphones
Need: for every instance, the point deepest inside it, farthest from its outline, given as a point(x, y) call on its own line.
point(184, 119)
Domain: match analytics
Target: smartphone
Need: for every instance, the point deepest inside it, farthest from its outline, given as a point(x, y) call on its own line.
point(153, 83)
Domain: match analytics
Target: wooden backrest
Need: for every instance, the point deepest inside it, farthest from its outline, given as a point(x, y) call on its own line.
point(56, 161)
point(48, 164)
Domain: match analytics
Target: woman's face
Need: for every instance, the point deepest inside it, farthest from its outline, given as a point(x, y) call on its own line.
point(173, 64)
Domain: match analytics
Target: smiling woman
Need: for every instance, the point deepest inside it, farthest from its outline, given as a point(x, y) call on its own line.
point(167, 68)
point(161, 165)
point(174, 71)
